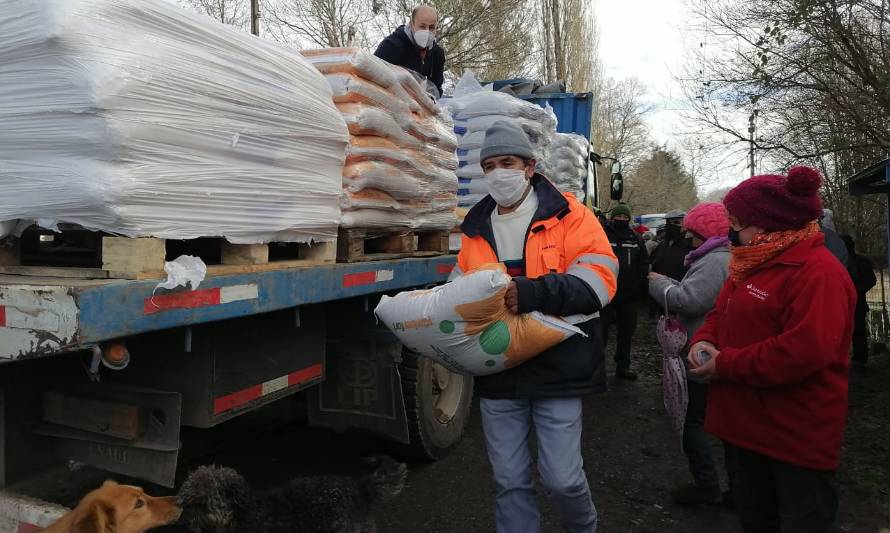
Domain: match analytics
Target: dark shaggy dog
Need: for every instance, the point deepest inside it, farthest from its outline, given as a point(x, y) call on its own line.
point(217, 499)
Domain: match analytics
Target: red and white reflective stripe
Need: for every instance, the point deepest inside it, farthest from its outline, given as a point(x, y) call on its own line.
point(245, 396)
point(445, 269)
point(32, 319)
point(368, 278)
point(27, 528)
point(200, 298)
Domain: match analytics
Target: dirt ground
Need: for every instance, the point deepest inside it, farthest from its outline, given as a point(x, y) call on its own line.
point(631, 457)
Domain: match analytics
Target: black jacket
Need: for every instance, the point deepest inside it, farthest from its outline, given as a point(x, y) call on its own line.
point(836, 246)
point(572, 368)
point(863, 275)
point(669, 257)
point(398, 49)
point(633, 263)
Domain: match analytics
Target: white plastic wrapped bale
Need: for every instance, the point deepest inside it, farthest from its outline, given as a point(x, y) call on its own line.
point(471, 100)
point(139, 118)
point(474, 109)
point(566, 162)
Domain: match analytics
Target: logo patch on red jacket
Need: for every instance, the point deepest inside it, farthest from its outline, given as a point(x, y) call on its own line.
point(760, 294)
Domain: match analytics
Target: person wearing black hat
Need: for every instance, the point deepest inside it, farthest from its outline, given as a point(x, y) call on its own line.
point(633, 261)
point(863, 275)
point(670, 256)
point(414, 46)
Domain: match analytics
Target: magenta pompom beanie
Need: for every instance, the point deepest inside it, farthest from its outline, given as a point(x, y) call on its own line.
point(708, 220)
point(777, 203)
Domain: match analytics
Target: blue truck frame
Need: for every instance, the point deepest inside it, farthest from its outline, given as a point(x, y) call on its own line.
point(277, 289)
point(203, 356)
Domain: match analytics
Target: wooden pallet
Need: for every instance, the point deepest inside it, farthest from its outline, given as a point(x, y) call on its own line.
point(104, 257)
point(354, 245)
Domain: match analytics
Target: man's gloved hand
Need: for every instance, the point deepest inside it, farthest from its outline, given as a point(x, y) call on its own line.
point(511, 298)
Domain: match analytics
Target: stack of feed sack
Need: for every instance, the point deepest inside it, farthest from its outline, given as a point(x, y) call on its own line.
point(400, 162)
point(566, 162)
point(139, 118)
point(474, 109)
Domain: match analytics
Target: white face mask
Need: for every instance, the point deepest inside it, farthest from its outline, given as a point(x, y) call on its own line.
point(506, 186)
point(424, 38)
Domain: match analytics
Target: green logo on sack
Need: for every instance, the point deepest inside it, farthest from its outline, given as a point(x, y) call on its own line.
point(446, 326)
point(495, 339)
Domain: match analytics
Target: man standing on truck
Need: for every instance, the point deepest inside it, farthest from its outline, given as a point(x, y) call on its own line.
point(414, 46)
point(562, 265)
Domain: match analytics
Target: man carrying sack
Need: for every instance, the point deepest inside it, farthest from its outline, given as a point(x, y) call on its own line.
point(562, 264)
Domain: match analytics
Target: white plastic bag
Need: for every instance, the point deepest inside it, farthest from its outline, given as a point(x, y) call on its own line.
point(183, 271)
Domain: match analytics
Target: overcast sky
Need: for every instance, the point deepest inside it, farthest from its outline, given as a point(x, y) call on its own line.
point(646, 39)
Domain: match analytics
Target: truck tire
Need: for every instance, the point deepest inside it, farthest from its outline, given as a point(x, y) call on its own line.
point(437, 403)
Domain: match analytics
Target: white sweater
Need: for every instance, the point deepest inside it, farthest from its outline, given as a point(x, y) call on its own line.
point(510, 229)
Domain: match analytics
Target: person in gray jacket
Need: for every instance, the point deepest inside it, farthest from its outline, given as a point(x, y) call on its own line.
point(833, 241)
point(691, 299)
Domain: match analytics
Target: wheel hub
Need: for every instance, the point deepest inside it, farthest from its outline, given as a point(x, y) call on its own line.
point(447, 392)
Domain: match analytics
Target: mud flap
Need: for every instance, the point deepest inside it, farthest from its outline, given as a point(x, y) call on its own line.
point(362, 391)
point(127, 430)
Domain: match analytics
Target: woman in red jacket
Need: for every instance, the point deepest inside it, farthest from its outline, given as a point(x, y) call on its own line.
point(776, 347)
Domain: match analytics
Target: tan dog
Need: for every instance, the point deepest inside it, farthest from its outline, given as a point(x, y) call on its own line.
point(114, 508)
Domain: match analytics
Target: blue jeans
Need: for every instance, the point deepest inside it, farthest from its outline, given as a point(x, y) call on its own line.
point(507, 425)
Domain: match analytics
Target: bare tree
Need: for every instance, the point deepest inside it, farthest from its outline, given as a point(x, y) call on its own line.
point(660, 183)
point(568, 43)
point(812, 76)
point(581, 49)
point(319, 23)
point(233, 12)
point(619, 125)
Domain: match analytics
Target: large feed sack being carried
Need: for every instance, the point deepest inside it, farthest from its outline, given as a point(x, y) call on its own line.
point(465, 326)
point(140, 118)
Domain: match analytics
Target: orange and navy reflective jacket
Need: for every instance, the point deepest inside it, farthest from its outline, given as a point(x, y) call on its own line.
point(569, 269)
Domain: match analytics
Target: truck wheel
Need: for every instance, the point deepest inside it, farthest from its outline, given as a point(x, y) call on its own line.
point(437, 402)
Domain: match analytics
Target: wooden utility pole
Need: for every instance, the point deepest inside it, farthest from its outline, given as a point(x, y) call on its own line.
point(255, 17)
point(752, 128)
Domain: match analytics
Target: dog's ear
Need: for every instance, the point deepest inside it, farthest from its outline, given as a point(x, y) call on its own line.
point(97, 518)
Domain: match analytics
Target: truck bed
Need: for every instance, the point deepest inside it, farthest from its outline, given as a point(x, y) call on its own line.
point(43, 316)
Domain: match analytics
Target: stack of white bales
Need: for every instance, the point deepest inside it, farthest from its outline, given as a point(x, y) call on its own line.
point(566, 162)
point(400, 161)
point(139, 118)
point(473, 114)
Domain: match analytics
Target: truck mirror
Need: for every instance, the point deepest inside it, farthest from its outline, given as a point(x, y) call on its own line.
point(616, 190)
point(616, 168)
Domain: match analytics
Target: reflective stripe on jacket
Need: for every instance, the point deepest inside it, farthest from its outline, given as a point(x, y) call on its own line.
point(569, 270)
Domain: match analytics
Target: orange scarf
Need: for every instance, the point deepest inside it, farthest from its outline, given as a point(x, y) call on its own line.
point(764, 247)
